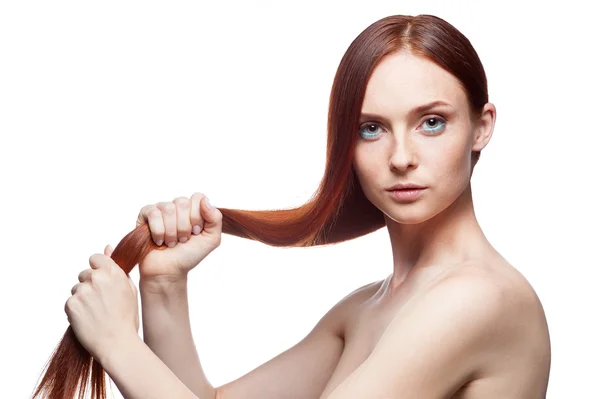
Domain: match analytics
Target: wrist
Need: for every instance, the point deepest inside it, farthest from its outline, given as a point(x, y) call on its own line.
point(110, 357)
point(163, 285)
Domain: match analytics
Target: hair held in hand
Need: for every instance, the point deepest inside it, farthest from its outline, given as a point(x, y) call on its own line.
point(338, 210)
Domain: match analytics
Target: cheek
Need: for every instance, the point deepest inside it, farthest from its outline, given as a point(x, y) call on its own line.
point(453, 169)
point(366, 173)
point(367, 167)
point(444, 167)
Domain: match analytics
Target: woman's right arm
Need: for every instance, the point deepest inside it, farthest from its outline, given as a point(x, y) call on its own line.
point(301, 371)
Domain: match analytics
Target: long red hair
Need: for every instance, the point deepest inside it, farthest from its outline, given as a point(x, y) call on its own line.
point(338, 210)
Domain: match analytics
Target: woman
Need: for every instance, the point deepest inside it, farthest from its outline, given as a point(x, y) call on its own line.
point(409, 116)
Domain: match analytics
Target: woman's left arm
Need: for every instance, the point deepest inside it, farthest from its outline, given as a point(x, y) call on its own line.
point(103, 312)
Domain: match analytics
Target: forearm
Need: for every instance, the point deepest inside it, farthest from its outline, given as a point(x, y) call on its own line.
point(139, 373)
point(167, 332)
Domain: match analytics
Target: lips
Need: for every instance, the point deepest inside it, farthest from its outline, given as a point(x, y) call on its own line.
point(406, 195)
point(405, 186)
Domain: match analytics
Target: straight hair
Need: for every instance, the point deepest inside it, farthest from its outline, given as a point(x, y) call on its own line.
point(338, 210)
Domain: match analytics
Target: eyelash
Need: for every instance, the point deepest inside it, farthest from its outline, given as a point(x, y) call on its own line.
point(434, 130)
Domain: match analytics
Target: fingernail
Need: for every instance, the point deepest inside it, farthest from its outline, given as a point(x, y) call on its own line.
point(196, 229)
point(159, 242)
point(208, 204)
point(183, 239)
point(171, 244)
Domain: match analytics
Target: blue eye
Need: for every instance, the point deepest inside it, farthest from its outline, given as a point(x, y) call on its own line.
point(368, 125)
point(436, 126)
point(433, 125)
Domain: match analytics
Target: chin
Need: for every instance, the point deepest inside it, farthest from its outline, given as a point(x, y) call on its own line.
point(406, 217)
point(409, 213)
point(415, 212)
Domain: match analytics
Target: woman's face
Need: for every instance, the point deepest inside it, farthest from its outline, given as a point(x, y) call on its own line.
point(429, 147)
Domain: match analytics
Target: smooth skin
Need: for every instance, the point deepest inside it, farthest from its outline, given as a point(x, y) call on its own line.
point(105, 300)
point(453, 320)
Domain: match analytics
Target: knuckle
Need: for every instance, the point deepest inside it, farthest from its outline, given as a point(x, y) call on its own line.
point(82, 289)
point(170, 208)
point(101, 273)
point(181, 201)
point(146, 209)
point(154, 212)
point(93, 278)
point(69, 304)
point(99, 278)
point(162, 205)
point(144, 214)
point(198, 196)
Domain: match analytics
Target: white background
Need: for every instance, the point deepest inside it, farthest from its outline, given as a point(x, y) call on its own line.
point(108, 106)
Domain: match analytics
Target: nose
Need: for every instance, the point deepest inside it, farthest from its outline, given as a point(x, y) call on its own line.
point(403, 155)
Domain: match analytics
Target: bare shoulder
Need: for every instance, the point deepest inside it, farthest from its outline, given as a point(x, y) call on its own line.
point(336, 319)
point(513, 289)
point(357, 297)
point(523, 353)
point(507, 290)
point(467, 331)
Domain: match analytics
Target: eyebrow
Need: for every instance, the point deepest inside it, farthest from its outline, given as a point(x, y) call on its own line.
point(416, 110)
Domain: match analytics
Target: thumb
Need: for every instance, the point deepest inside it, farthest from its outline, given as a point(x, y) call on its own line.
point(108, 250)
point(212, 218)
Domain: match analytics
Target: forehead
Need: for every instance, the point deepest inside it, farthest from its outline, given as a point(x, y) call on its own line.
point(402, 81)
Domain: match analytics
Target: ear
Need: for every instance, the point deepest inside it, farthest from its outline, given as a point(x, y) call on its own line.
point(484, 127)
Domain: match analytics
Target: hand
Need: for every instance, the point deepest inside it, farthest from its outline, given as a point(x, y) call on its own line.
point(188, 227)
point(103, 308)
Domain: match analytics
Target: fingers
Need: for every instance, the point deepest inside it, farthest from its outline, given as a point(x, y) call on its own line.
point(153, 216)
point(213, 220)
point(81, 288)
point(98, 261)
point(195, 217)
point(184, 226)
point(172, 222)
point(75, 288)
point(108, 250)
point(169, 216)
point(84, 275)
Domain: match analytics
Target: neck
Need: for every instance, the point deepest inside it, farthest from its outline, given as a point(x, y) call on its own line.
point(451, 237)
